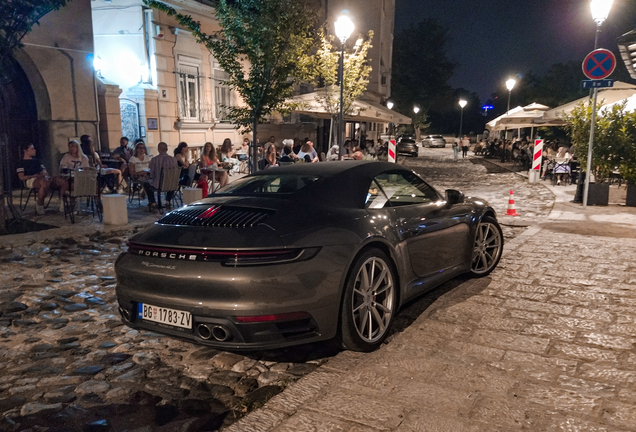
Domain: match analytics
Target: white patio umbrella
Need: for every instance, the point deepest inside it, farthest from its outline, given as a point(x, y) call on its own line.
point(606, 96)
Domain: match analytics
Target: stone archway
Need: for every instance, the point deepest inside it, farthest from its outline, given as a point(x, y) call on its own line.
point(18, 116)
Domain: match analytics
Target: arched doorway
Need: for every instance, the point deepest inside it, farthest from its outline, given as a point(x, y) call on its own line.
point(18, 116)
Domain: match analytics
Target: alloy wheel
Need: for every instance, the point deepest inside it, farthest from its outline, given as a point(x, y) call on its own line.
point(487, 249)
point(373, 299)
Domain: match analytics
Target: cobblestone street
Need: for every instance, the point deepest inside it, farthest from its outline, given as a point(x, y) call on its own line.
point(544, 343)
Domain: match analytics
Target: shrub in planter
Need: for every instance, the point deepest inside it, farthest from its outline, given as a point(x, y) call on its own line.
point(611, 147)
point(630, 200)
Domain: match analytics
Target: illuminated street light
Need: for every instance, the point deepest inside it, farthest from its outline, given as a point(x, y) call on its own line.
point(416, 109)
point(600, 10)
point(389, 105)
point(344, 27)
point(462, 104)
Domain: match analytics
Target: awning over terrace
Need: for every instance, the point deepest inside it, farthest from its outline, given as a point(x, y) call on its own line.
point(363, 111)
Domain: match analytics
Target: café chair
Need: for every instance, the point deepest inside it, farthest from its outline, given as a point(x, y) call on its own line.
point(169, 182)
point(85, 183)
point(33, 192)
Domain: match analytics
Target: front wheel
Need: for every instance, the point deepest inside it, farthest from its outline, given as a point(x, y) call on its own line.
point(487, 247)
point(370, 302)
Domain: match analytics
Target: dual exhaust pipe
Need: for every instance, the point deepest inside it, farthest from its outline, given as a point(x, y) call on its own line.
point(217, 332)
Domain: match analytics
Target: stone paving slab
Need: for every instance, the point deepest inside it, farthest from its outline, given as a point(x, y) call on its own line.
point(482, 358)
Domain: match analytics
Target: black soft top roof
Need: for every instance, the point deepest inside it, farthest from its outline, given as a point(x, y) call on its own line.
point(343, 184)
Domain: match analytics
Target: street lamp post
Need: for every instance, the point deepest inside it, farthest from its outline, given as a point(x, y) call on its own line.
point(344, 27)
point(510, 84)
point(462, 104)
point(600, 10)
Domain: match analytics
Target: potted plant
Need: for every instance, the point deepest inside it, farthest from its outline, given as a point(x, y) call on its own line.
point(610, 149)
point(627, 167)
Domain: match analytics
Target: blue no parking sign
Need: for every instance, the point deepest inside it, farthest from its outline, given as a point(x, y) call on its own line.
point(599, 64)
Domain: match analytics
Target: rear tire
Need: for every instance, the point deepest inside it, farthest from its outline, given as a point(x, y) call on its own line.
point(369, 303)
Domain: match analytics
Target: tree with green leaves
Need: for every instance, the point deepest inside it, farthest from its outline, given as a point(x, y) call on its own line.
point(17, 18)
point(262, 46)
point(326, 68)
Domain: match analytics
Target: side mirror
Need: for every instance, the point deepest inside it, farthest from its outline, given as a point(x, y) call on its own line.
point(454, 197)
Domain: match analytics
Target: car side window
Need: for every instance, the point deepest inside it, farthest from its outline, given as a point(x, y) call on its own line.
point(376, 199)
point(405, 188)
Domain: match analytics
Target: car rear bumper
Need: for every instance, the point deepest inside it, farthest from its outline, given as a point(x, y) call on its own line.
point(295, 303)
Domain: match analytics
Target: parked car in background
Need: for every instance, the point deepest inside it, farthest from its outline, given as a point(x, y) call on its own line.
point(408, 146)
point(434, 141)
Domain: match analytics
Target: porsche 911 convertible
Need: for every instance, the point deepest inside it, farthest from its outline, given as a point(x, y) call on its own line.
point(303, 253)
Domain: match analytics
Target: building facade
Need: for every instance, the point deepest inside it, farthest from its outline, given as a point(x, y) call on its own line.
point(112, 68)
point(49, 95)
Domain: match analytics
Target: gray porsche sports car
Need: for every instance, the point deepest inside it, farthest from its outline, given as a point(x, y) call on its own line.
point(303, 253)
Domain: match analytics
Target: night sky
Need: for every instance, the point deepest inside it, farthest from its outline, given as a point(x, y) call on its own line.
point(495, 39)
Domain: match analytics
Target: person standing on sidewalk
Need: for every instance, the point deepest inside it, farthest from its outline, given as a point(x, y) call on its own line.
point(465, 145)
point(157, 163)
point(456, 149)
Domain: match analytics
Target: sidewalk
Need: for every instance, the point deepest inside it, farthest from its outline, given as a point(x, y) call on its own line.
point(546, 343)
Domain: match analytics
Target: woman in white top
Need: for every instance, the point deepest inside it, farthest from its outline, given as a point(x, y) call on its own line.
point(74, 159)
point(308, 149)
point(139, 163)
point(562, 166)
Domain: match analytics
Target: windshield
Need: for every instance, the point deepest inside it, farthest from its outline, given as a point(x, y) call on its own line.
point(268, 184)
point(437, 137)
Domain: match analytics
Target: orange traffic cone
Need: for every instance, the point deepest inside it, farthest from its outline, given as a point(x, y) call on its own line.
point(511, 206)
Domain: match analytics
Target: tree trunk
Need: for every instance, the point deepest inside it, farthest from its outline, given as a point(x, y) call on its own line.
point(254, 148)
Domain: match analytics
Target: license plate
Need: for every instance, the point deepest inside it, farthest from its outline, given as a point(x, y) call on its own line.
point(163, 315)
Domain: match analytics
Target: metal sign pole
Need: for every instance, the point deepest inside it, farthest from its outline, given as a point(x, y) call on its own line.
point(589, 150)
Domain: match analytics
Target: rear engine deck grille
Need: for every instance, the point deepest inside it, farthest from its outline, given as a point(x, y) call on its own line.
point(216, 216)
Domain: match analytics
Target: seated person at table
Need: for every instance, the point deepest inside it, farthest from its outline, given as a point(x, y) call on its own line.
point(181, 155)
point(33, 174)
point(209, 161)
point(287, 155)
point(332, 154)
point(227, 154)
point(109, 173)
point(162, 161)
point(243, 152)
point(139, 162)
point(308, 149)
point(74, 159)
point(123, 154)
point(269, 160)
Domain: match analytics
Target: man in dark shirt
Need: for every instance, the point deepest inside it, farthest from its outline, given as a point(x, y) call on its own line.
point(122, 154)
point(162, 161)
point(32, 172)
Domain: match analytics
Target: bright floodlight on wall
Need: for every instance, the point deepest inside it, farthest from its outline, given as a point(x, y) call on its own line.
point(510, 84)
point(344, 28)
point(389, 105)
point(416, 109)
point(600, 10)
point(462, 103)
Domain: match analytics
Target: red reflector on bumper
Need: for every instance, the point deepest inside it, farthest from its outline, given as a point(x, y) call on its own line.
point(270, 318)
